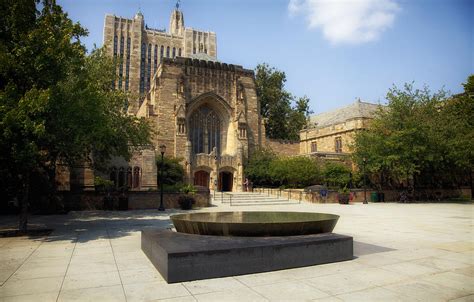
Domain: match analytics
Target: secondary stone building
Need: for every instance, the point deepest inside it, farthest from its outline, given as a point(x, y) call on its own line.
point(330, 134)
point(204, 111)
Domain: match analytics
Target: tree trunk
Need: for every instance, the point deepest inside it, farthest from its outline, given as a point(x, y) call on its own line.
point(23, 220)
point(472, 183)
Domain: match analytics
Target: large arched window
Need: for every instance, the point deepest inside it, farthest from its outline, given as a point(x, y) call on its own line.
point(205, 130)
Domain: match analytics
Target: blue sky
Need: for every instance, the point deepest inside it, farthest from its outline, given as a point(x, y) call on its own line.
point(333, 52)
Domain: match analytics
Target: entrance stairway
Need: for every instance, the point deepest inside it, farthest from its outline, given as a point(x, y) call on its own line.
point(250, 198)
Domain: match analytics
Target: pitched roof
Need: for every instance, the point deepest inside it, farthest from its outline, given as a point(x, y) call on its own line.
point(358, 109)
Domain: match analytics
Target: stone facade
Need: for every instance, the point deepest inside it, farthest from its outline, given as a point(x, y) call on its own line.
point(331, 134)
point(205, 112)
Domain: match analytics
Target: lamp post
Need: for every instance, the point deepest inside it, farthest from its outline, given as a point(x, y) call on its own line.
point(364, 162)
point(162, 151)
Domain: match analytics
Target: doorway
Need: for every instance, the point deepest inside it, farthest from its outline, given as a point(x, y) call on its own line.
point(226, 180)
point(201, 178)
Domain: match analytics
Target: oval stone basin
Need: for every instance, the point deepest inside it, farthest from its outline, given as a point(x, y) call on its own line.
point(254, 223)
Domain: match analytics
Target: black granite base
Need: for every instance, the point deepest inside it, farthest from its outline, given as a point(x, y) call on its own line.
point(185, 257)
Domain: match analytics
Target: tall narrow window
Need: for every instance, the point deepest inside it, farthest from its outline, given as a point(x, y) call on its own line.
point(142, 69)
point(127, 66)
point(155, 58)
point(314, 147)
point(162, 51)
point(115, 45)
point(136, 177)
point(121, 178)
point(129, 177)
point(167, 51)
point(148, 75)
point(242, 130)
point(338, 144)
point(181, 127)
point(174, 52)
point(179, 52)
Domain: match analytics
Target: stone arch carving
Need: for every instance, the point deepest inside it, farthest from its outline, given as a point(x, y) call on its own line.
point(212, 98)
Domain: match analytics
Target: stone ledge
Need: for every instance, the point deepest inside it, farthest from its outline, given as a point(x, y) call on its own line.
point(184, 257)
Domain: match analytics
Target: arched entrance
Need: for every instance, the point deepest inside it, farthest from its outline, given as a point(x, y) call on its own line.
point(226, 180)
point(201, 178)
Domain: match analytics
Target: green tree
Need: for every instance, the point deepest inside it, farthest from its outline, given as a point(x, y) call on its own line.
point(56, 103)
point(282, 120)
point(257, 167)
point(298, 118)
point(421, 138)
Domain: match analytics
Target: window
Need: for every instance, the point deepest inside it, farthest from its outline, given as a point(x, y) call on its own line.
point(174, 52)
point(148, 68)
point(127, 66)
point(181, 127)
point(121, 47)
point(179, 52)
point(314, 146)
point(338, 144)
point(136, 177)
point(129, 178)
point(142, 69)
point(205, 130)
point(115, 45)
point(242, 130)
point(155, 57)
point(167, 51)
point(162, 51)
point(194, 50)
point(121, 178)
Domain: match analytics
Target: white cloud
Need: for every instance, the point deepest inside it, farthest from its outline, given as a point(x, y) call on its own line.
point(347, 21)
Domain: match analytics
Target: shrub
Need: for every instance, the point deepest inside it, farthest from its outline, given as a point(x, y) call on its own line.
point(294, 172)
point(336, 174)
point(186, 202)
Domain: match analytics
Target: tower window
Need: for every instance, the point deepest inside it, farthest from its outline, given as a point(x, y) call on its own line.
point(142, 69)
point(167, 51)
point(115, 45)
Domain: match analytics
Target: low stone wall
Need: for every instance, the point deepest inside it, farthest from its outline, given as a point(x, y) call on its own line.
point(151, 200)
point(358, 194)
point(136, 200)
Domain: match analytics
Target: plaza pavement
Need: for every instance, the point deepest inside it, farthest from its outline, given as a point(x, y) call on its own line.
point(404, 252)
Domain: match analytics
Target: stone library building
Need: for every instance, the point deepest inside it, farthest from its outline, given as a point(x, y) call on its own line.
point(204, 111)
